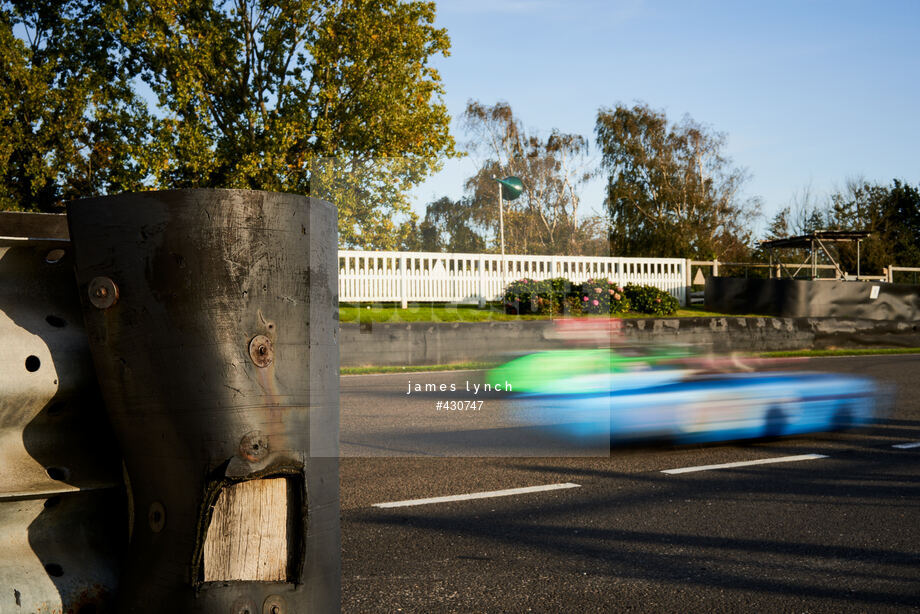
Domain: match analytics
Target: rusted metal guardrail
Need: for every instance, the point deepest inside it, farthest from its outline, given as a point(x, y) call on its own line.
point(210, 318)
point(63, 513)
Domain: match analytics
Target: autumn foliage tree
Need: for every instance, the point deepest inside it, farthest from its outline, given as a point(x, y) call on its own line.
point(334, 98)
point(70, 120)
point(671, 191)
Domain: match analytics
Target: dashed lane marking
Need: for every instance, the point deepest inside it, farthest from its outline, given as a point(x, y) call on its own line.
point(762, 461)
point(478, 495)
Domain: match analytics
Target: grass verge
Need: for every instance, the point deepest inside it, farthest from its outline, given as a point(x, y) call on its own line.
point(459, 366)
point(439, 312)
point(839, 352)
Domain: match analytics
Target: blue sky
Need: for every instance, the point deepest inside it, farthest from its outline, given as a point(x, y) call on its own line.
point(809, 94)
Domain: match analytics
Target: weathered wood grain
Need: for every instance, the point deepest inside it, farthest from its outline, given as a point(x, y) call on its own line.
point(249, 537)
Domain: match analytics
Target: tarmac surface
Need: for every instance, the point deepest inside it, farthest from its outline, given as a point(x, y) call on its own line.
point(835, 528)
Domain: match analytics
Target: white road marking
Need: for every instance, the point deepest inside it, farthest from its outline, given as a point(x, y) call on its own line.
point(907, 446)
point(762, 461)
point(478, 495)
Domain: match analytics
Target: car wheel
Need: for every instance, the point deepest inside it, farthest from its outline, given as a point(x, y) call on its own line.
point(843, 418)
point(774, 422)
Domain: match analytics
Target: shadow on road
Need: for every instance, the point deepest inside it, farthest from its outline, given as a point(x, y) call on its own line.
point(789, 533)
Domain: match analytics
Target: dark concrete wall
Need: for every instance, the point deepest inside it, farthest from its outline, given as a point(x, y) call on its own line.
point(814, 299)
point(421, 343)
point(441, 343)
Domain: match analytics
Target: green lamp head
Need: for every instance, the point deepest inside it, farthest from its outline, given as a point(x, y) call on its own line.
point(511, 187)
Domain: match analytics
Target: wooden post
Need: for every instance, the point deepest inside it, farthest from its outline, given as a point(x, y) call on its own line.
point(482, 281)
point(814, 261)
point(403, 283)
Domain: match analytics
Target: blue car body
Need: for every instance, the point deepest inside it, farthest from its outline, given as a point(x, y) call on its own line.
point(689, 408)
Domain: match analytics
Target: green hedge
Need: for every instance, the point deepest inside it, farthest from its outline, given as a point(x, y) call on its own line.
point(651, 300)
point(560, 296)
point(529, 296)
point(523, 297)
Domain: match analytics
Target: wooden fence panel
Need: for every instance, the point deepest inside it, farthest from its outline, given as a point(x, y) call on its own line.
point(475, 278)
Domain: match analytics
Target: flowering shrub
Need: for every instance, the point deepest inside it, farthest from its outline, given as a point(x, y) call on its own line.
point(651, 300)
point(560, 296)
point(560, 290)
point(572, 306)
point(548, 297)
point(527, 296)
point(603, 297)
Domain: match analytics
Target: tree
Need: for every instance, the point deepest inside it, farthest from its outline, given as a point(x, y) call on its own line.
point(779, 227)
point(447, 227)
point(70, 122)
point(544, 219)
point(334, 98)
point(671, 191)
point(890, 213)
point(804, 215)
point(591, 236)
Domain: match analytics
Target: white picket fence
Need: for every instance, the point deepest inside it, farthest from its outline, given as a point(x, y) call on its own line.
point(406, 277)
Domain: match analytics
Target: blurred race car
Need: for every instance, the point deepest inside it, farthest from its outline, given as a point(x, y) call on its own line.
point(681, 399)
point(581, 370)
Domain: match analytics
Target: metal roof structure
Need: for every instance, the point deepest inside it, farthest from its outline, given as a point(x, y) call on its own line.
point(824, 236)
point(817, 239)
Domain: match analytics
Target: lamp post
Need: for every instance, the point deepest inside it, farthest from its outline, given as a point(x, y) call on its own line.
point(509, 188)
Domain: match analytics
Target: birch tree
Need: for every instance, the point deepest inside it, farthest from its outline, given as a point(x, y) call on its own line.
point(671, 190)
point(545, 218)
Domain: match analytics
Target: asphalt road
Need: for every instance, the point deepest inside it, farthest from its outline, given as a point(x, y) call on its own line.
point(837, 533)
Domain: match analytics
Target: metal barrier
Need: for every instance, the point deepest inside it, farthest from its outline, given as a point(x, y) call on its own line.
point(63, 513)
point(892, 270)
point(212, 323)
point(211, 329)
